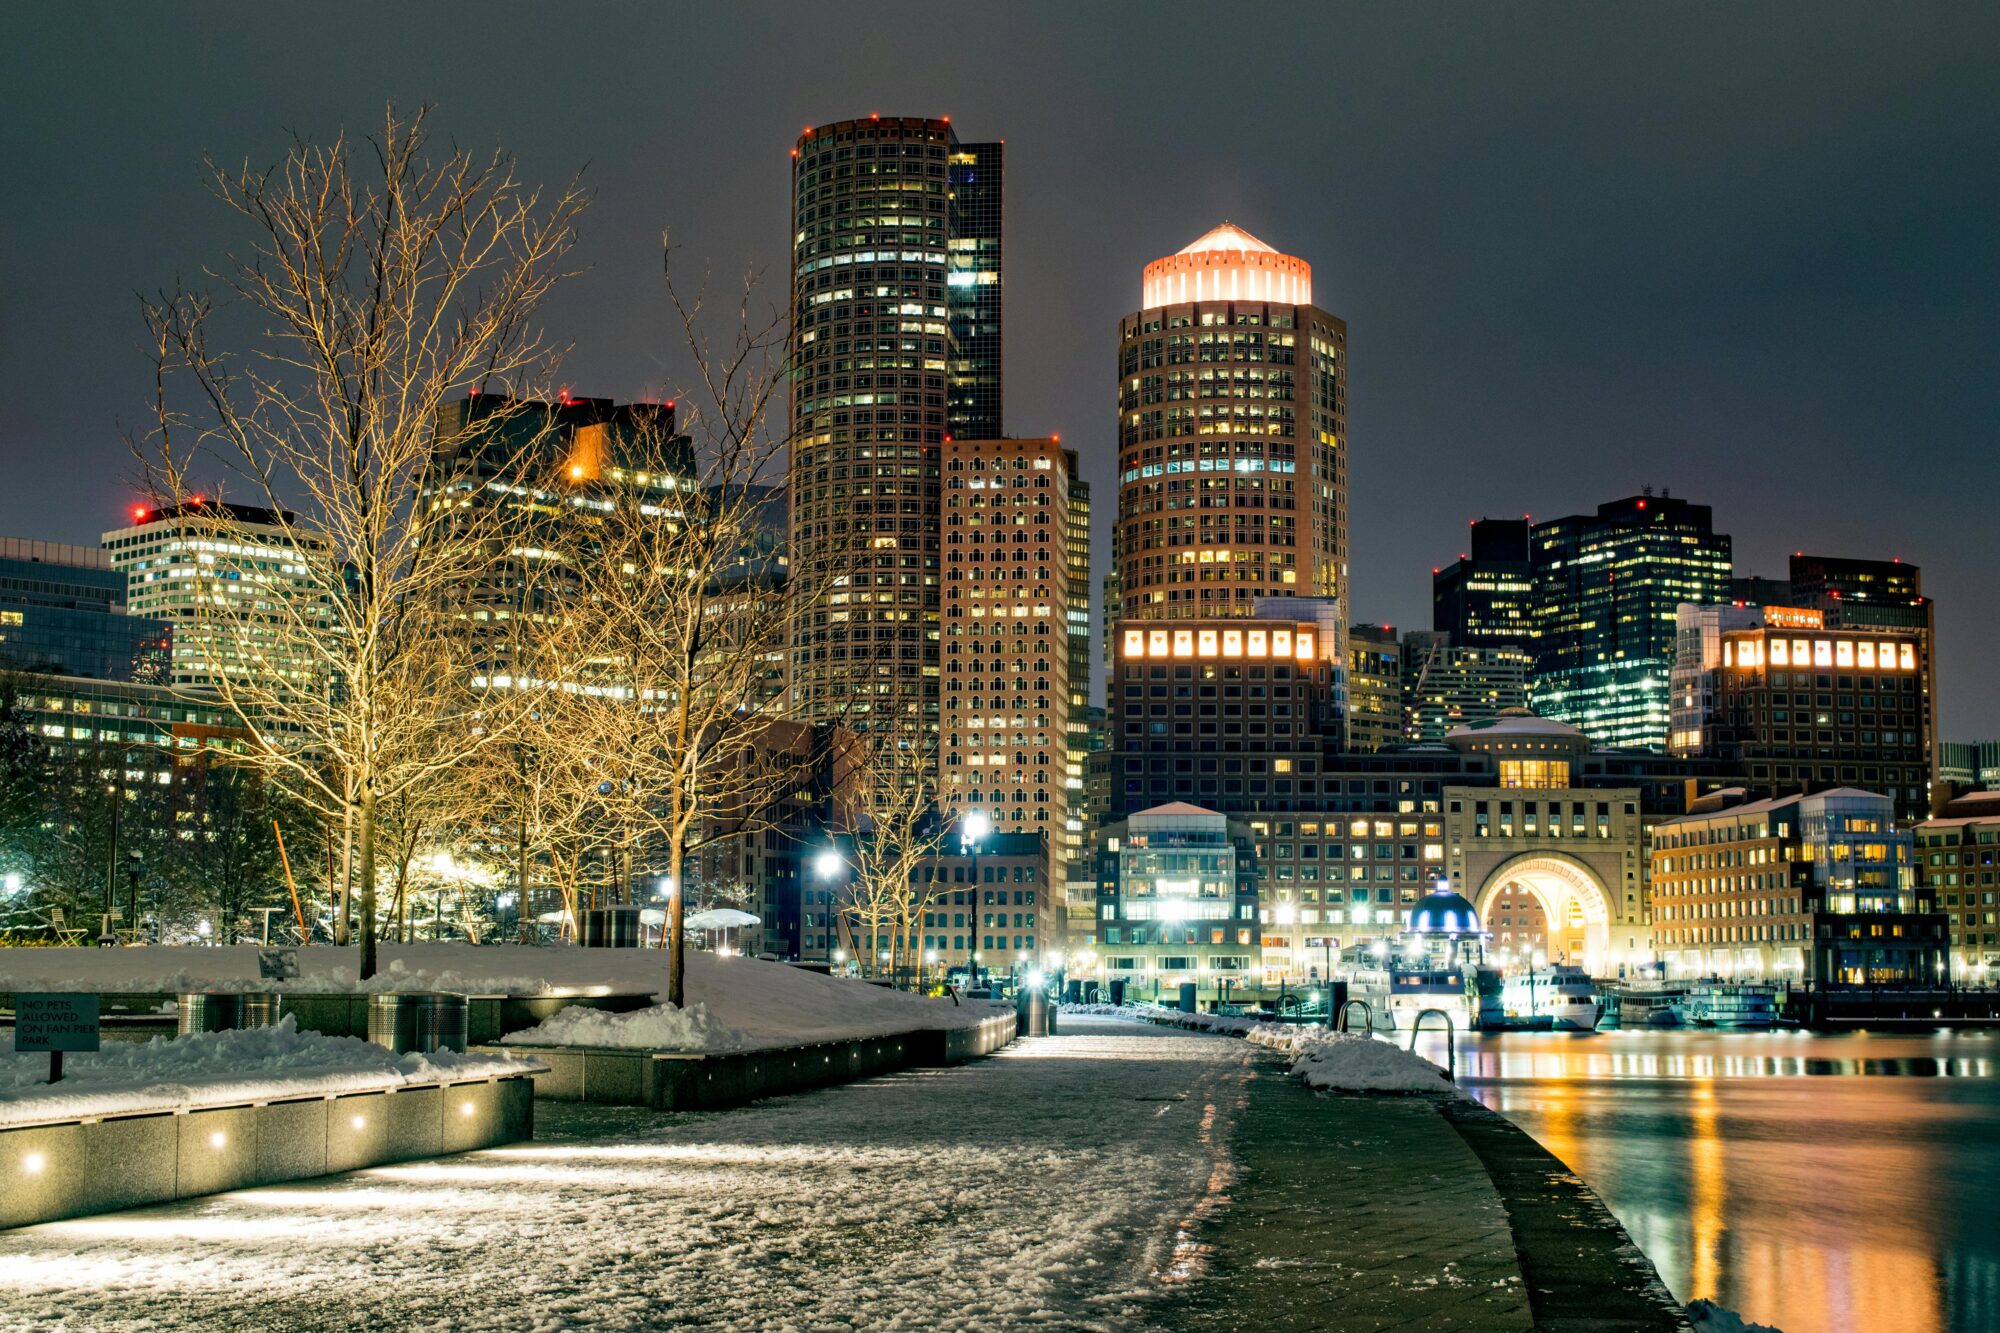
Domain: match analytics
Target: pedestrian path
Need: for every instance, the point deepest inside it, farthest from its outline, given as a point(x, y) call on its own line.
point(1118, 1176)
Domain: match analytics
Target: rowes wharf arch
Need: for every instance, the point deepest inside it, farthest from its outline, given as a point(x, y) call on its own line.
point(1581, 910)
point(1577, 851)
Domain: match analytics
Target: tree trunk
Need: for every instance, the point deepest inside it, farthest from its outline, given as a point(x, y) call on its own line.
point(367, 866)
point(343, 906)
point(676, 931)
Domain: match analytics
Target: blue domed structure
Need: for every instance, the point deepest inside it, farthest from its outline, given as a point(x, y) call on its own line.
point(1445, 913)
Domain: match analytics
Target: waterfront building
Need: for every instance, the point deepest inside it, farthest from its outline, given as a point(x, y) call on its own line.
point(1803, 707)
point(872, 394)
point(1486, 598)
point(1445, 687)
point(1819, 889)
point(1607, 589)
point(1957, 855)
point(1232, 428)
point(63, 612)
point(1178, 902)
point(1549, 827)
point(1374, 688)
point(246, 590)
point(1006, 649)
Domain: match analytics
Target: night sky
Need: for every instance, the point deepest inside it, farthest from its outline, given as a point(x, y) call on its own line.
point(1748, 253)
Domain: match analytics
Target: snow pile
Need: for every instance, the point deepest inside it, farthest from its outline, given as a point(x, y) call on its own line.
point(660, 1028)
point(758, 1004)
point(1350, 1062)
point(1708, 1317)
point(224, 1068)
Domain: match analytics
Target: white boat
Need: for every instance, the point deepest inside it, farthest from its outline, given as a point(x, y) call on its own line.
point(1563, 995)
point(1733, 1006)
point(1415, 989)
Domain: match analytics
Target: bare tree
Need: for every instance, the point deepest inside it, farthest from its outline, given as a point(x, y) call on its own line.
point(896, 838)
point(382, 282)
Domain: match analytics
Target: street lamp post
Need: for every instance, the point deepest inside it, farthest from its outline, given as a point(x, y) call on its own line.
point(828, 867)
point(973, 827)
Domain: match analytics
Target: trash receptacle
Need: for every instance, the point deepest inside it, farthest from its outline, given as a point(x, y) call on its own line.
point(611, 928)
point(1117, 991)
point(1187, 1003)
point(226, 1011)
point(407, 1021)
point(1034, 1016)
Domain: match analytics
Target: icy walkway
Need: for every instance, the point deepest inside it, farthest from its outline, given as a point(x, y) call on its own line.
point(1047, 1185)
point(1120, 1176)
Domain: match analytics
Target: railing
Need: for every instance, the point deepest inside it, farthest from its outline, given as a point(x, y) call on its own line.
point(1450, 1040)
point(1340, 1020)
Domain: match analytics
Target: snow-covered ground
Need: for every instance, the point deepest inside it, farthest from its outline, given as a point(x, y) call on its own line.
point(1050, 1186)
point(220, 1069)
point(1349, 1062)
point(659, 1027)
point(748, 1003)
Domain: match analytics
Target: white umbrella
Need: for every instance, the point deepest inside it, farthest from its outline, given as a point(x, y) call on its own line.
point(721, 918)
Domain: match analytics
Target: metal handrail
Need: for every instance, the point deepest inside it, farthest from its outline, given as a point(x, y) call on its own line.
point(1450, 1040)
point(1340, 1019)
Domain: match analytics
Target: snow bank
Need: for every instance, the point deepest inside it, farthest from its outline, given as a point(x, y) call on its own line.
point(1346, 1061)
point(660, 1028)
point(1708, 1317)
point(751, 1003)
point(224, 1068)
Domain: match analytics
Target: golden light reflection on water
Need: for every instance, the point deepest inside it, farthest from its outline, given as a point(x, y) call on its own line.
point(1818, 1184)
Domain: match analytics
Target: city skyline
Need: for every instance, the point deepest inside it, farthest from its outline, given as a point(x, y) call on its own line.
point(1736, 300)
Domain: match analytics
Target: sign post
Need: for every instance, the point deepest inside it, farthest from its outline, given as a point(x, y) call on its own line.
point(55, 1023)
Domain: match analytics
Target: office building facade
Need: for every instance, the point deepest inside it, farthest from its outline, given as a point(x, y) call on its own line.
point(247, 591)
point(1486, 598)
point(63, 612)
point(1608, 587)
point(1177, 903)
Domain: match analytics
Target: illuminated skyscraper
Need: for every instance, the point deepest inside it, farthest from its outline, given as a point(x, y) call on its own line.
point(1232, 424)
point(973, 290)
point(1007, 649)
point(1486, 598)
point(879, 290)
point(1607, 588)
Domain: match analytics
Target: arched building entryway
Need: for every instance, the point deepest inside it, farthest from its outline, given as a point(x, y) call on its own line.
point(1577, 905)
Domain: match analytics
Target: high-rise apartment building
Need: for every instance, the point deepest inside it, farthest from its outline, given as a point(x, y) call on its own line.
point(1006, 650)
point(1486, 598)
point(1232, 429)
point(1607, 589)
point(877, 387)
point(245, 589)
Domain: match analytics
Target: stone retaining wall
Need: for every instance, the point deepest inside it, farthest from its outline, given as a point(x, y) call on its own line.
point(684, 1081)
point(73, 1168)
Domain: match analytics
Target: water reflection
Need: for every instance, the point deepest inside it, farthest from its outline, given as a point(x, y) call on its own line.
point(1814, 1183)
